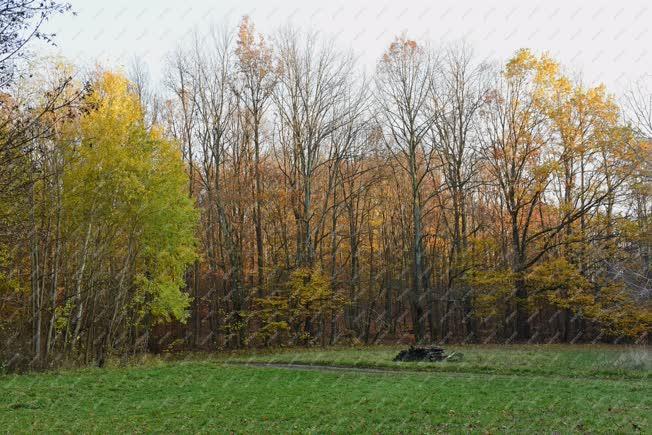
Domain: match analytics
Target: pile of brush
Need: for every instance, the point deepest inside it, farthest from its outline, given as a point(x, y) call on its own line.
point(426, 354)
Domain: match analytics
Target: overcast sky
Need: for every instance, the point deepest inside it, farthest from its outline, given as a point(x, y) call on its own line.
point(604, 41)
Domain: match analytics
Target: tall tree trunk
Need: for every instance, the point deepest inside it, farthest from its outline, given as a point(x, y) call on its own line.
point(55, 274)
point(258, 212)
point(36, 297)
point(78, 287)
point(522, 312)
point(520, 290)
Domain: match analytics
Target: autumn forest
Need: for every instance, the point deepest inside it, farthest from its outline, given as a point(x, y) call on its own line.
point(271, 192)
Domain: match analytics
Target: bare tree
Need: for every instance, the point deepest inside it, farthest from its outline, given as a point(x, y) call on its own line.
point(403, 96)
point(142, 83)
point(256, 82)
point(638, 104)
point(311, 104)
point(458, 92)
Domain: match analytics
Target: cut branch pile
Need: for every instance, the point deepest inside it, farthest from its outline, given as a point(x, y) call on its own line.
point(426, 354)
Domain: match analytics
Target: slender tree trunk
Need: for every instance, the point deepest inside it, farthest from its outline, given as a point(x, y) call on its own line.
point(55, 275)
point(418, 270)
point(258, 213)
point(522, 312)
point(78, 287)
point(35, 280)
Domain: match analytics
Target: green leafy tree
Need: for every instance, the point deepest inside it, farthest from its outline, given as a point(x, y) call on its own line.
point(129, 219)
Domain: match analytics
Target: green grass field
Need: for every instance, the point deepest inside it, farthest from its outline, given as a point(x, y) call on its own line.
point(517, 388)
point(616, 362)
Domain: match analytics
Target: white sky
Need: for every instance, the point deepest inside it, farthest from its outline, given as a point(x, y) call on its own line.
point(604, 41)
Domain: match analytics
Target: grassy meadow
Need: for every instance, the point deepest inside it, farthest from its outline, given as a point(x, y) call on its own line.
point(601, 361)
point(565, 389)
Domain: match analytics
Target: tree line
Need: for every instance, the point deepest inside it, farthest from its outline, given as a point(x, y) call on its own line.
point(268, 193)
